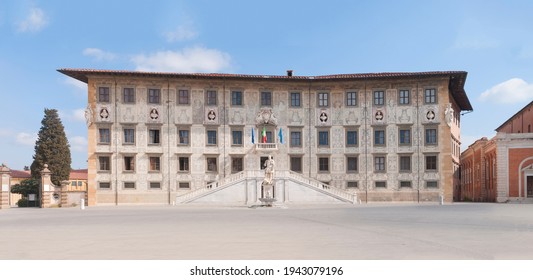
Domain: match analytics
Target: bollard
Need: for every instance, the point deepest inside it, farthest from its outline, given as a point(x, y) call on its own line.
point(82, 204)
point(441, 200)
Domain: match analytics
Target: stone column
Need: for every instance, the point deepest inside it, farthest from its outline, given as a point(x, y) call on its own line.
point(47, 188)
point(5, 186)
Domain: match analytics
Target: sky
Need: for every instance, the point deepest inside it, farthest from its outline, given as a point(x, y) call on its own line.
point(491, 40)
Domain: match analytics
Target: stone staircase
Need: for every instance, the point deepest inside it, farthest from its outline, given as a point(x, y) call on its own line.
point(335, 192)
point(211, 188)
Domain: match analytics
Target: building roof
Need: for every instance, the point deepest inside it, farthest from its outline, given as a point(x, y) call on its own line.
point(517, 114)
point(78, 174)
point(456, 84)
point(22, 174)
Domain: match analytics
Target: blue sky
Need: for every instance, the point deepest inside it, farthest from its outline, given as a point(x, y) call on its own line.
point(491, 40)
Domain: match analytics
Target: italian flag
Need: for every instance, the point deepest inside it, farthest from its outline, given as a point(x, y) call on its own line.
point(264, 134)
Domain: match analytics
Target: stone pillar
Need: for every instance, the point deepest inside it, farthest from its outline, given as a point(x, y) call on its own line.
point(5, 186)
point(47, 188)
point(64, 193)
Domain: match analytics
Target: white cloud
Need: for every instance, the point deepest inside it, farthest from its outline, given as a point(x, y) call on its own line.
point(78, 144)
point(77, 115)
point(181, 33)
point(514, 90)
point(196, 59)
point(35, 21)
point(99, 54)
point(27, 139)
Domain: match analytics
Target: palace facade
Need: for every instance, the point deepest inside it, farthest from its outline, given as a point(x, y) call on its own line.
point(201, 138)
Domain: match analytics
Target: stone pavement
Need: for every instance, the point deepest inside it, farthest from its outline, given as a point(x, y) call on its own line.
point(373, 231)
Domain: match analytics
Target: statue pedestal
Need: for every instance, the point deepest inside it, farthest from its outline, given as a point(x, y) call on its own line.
point(267, 202)
point(267, 194)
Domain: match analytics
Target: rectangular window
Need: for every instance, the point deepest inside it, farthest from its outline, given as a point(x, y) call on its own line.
point(183, 97)
point(323, 138)
point(104, 136)
point(296, 164)
point(154, 136)
point(379, 98)
point(295, 99)
point(236, 136)
point(351, 138)
point(432, 184)
point(183, 164)
point(129, 163)
point(155, 164)
point(154, 96)
point(211, 137)
point(128, 95)
point(380, 184)
point(323, 99)
point(405, 136)
point(129, 136)
point(129, 185)
point(103, 94)
point(430, 96)
point(104, 185)
point(379, 164)
point(405, 184)
point(236, 164)
point(323, 164)
point(211, 164)
point(431, 163)
point(155, 185)
point(351, 99)
point(184, 185)
point(266, 98)
point(183, 137)
point(351, 164)
point(379, 137)
point(431, 136)
point(405, 163)
point(236, 98)
point(296, 138)
point(211, 97)
point(404, 97)
point(352, 185)
point(104, 163)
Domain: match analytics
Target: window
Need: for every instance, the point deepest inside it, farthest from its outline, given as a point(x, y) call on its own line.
point(380, 184)
point(184, 185)
point(211, 137)
point(351, 137)
point(379, 137)
point(405, 136)
point(269, 138)
point(236, 136)
point(183, 97)
point(379, 164)
point(129, 185)
point(183, 164)
point(262, 162)
point(351, 98)
point(405, 163)
point(211, 97)
point(296, 139)
point(323, 99)
point(352, 184)
point(432, 184)
point(236, 98)
point(351, 164)
point(405, 184)
point(323, 164)
point(431, 163)
point(104, 163)
point(103, 94)
point(104, 136)
point(431, 136)
point(430, 96)
point(183, 137)
point(154, 96)
point(266, 98)
point(236, 164)
point(379, 97)
point(295, 99)
point(104, 185)
point(154, 136)
point(404, 97)
point(155, 164)
point(155, 185)
point(128, 95)
point(323, 138)
point(211, 164)
point(129, 136)
point(129, 163)
point(296, 164)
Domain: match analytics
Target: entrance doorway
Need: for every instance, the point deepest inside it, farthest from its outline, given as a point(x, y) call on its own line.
point(529, 186)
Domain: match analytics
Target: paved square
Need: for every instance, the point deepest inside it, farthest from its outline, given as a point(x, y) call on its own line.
point(374, 231)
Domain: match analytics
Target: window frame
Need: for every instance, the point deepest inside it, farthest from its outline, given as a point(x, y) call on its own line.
point(401, 164)
point(380, 163)
point(209, 99)
point(207, 159)
point(348, 169)
point(291, 162)
point(240, 135)
point(401, 99)
point(323, 134)
point(156, 136)
point(383, 137)
point(105, 164)
point(105, 96)
point(237, 98)
point(187, 138)
point(127, 136)
point(158, 164)
point(233, 165)
point(293, 139)
point(126, 95)
point(378, 100)
point(266, 98)
point(183, 97)
point(293, 100)
point(401, 136)
point(131, 168)
point(209, 133)
point(351, 99)
point(322, 99)
point(323, 161)
point(181, 166)
point(152, 97)
point(106, 140)
point(350, 130)
point(431, 139)
point(432, 98)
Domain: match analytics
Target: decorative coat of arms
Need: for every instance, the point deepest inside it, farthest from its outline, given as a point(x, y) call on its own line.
point(266, 116)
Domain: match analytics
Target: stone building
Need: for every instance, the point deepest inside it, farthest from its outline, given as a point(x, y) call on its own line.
point(200, 138)
point(500, 169)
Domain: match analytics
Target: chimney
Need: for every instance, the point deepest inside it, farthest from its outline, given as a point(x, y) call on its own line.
point(289, 73)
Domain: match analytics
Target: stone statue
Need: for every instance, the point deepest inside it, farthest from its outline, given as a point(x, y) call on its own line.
point(448, 114)
point(269, 170)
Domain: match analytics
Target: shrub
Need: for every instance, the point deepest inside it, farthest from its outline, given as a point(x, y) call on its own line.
point(23, 202)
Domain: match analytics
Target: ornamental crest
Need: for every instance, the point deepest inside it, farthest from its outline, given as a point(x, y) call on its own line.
point(266, 116)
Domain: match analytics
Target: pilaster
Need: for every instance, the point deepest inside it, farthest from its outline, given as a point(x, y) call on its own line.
point(5, 186)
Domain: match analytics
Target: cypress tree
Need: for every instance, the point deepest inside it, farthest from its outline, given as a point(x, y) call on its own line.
point(52, 148)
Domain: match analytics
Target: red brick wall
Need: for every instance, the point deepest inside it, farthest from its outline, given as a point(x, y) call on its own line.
point(516, 156)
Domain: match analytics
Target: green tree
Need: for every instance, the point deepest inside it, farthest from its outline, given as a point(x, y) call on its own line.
point(52, 148)
point(26, 187)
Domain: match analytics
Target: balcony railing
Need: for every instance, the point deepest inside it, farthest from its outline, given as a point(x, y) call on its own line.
point(266, 146)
